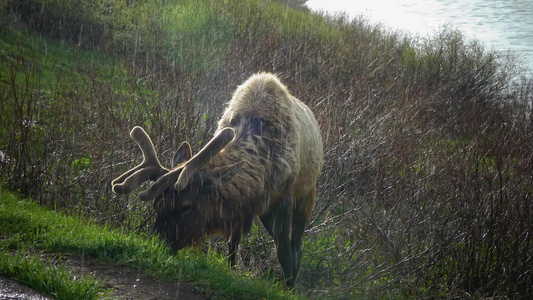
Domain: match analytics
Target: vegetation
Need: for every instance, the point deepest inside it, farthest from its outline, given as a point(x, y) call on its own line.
point(426, 190)
point(47, 278)
point(28, 226)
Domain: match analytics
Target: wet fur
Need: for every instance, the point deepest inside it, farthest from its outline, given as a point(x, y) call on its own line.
point(278, 138)
point(269, 169)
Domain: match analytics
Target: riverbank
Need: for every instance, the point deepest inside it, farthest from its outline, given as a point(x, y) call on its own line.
point(70, 258)
point(428, 143)
point(502, 26)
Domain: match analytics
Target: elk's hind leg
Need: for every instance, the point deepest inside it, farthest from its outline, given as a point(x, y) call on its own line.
point(303, 209)
point(278, 223)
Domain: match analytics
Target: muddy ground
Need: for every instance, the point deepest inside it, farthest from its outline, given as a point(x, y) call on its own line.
point(121, 282)
point(14, 290)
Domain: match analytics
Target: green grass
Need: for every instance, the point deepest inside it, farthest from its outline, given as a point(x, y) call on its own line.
point(48, 278)
point(54, 65)
point(428, 141)
point(27, 226)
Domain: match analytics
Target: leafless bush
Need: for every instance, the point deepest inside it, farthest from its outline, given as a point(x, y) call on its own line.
point(426, 189)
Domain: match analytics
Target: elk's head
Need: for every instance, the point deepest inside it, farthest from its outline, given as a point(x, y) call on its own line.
point(185, 197)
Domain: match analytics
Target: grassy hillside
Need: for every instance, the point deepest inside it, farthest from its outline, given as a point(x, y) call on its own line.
point(28, 227)
point(426, 190)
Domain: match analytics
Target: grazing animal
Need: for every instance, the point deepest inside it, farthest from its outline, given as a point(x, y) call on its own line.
point(263, 160)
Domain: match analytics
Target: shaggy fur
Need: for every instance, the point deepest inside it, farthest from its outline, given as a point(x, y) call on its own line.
point(277, 137)
point(264, 160)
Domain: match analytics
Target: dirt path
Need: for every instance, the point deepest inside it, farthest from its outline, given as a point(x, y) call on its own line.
point(128, 283)
point(14, 290)
point(121, 282)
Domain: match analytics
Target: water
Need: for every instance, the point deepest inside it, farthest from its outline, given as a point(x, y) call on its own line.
point(500, 25)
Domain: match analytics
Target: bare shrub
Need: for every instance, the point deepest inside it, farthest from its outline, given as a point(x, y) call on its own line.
point(426, 189)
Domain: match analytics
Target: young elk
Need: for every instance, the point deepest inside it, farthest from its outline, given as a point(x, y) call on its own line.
point(264, 160)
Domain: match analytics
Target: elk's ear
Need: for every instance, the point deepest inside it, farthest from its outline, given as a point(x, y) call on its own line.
point(182, 155)
point(223, 175)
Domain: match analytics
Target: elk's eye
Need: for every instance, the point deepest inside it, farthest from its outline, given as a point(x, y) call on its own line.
point(206, 189)
point(185, 208)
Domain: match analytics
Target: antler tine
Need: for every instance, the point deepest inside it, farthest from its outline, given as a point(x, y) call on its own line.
point(217, 143)
point(183, 174)
point(162, 184)
point(150, 168)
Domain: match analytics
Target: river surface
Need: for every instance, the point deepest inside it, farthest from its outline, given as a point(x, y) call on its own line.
point(499, 24)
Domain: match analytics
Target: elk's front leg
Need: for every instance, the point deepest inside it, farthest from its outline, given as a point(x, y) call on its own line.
point(233, 246)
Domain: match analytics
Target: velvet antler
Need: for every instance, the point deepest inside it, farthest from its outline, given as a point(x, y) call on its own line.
point(180, 177)
point(149, 169)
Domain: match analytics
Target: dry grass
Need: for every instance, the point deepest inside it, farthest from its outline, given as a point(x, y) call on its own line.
point(427, 185)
